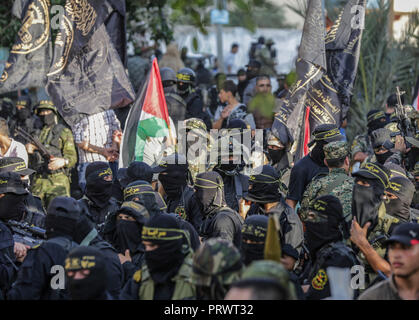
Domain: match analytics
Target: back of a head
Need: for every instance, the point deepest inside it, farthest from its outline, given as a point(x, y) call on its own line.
point(230, 86)
point(62, 217)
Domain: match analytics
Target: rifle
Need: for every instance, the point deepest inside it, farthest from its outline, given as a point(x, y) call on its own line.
point(44, 151)
point(404, 123)
point(27, 234)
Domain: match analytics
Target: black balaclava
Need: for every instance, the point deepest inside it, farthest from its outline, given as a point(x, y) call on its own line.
point(49, 119)
point(62, 216)
point(381, 138)
point(366, 201)
point(376, 119)
point(276, 155)
point(128, 233)
point(141, 192)
point(98, 189)
point(174, 180)
point(209, 190)
point(264, 187)
point(325, 226)
point(23, 114)
point(12, 207)
point(93, 287)
point(254, 229)
point(85, 231)
point(404, 190)
point(165, 261)
point(382, 158)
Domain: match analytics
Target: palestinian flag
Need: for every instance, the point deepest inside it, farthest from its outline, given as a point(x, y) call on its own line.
point(148, 117)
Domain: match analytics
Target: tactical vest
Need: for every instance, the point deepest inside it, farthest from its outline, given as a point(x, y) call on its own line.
point(184, 288)
point(51, 139)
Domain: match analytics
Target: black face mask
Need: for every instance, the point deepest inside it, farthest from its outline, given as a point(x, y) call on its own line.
point(173, 183)
point(99, 191)
point(12, 207)
point(165, 261)
point(398, 209)
point(93, 287)
point(366, 202)
point(128, 236)
point(276, 155)
point(48, 119)
point(252, 252)
point(228, 168)
point(381, 158)
point(318, 234)
point(183, 88)
point(23, 114)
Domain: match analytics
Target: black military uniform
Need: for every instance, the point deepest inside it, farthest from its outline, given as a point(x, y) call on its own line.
point(176, 106)
point(34, 276)
point(97, 201)
point(264, 190)
point(8, 262)
point(87, 235)
point(219, 220)
point(174, 176)
point(325, 243)
point(126, 235)
point(24, 120)
point(193, 97)
point(34, 212)
point(312, 164)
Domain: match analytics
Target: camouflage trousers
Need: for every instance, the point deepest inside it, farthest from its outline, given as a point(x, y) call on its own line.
point(51, 186)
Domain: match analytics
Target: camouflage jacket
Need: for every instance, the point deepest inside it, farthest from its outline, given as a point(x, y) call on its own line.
point(336, 183)
point(362, 143)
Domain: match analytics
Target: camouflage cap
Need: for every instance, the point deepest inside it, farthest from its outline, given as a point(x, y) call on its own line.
point(195, 123)
point(336, 150)
point(375, 115)
point(46, 104)
point(381, 137)
point(270, 270)
point(219, 258)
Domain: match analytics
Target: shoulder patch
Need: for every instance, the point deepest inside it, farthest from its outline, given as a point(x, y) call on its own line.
point(320, 280)
point(137, 276)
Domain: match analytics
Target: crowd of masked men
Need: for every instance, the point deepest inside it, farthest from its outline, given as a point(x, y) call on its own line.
point(184, 228)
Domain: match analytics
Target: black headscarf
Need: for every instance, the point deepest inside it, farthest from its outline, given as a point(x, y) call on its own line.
point(209, 190)
point(165, 261)
point(99, 183)
point(174, 180)
point(264, 187)
point(254, 229)
point(93, 286)
point(62, 217)
point(404, 190)
point(326, 226)
point(141, 192)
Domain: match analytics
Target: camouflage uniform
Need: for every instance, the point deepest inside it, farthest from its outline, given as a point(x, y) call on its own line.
point(272, 271)
point(59, 141)
point(216, 265)
point(336, 183)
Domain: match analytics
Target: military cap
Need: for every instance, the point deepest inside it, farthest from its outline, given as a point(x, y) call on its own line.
point(136, 171)
point(325, 207)
point(219, 258)
point(85, 257)
point(134, 210)
point(15, 164)
point(175, 159)
point(402, 187)
point(46, 104)
point(381, 137)
point(270, 270)
point(167, 74)
point(375, 115)
point(326, 133)
point(195, 123)
point(24, 101)
point(374, 171)
point(336, 150)
point(11, 182)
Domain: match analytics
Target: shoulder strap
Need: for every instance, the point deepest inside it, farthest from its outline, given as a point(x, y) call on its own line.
point(329, 188)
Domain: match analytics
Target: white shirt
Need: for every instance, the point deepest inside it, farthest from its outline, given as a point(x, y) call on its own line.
point(229, 62)
point(16, 149)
